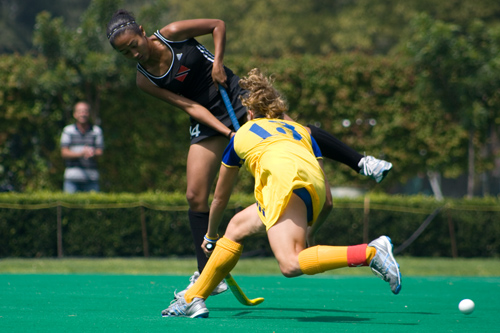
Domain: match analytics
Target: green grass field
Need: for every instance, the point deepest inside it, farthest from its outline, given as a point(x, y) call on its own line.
point(127, 295)
point(248, 266)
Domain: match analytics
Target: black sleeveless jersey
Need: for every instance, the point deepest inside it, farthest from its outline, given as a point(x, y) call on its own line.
point(190, 75)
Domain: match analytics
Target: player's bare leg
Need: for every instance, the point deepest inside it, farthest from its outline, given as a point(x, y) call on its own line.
point(221, 262)
point(226, 253)
point(288, 237)
point(203, 163)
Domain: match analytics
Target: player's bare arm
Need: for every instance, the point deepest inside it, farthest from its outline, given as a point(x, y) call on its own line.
point(186, 29)
point(195, 110)
point(223, 190)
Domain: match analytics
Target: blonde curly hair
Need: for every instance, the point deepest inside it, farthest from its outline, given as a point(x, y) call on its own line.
point(262, 98)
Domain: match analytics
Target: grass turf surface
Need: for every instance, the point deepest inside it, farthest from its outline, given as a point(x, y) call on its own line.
point(132, 303)
point(248, 266)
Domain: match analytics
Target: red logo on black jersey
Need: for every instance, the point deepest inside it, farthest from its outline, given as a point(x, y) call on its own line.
point(182, 73)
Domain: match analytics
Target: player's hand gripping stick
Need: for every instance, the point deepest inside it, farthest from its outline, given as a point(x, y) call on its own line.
point(210, 242)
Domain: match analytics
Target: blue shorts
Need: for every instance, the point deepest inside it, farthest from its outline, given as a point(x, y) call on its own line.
point(306, 197)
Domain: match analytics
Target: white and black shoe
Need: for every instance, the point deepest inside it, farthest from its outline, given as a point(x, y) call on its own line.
point(221, 287)
point(374, 168)
point(181, 308)
point(384, 265)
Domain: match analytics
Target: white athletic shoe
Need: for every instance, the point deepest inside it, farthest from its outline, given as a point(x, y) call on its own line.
point(180, 308)
point(221, 287)
point(374, 168)
point(384, 265)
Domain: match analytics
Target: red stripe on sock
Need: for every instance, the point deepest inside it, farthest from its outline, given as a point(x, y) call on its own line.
point(356, 255)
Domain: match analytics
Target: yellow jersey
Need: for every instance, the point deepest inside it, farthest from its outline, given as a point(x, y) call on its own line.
point(283, 158)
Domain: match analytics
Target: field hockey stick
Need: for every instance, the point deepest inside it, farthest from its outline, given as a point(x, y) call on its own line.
point(235, 289)
point(238, 293)
point(229, 107)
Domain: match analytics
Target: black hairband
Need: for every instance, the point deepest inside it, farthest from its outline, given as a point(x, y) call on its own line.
point(119, 27)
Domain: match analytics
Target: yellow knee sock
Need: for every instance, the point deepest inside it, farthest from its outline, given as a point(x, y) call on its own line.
point(220, 263)
point(319, 259)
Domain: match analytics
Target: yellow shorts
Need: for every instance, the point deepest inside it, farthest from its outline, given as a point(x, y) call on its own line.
point(274, 192)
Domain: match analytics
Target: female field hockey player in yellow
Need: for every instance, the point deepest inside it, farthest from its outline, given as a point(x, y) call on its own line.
point(293, 200)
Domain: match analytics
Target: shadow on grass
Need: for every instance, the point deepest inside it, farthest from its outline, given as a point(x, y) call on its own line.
point(261, 314)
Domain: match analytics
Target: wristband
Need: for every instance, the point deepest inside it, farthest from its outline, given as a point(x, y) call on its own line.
point(229, 134)
point(211, 240)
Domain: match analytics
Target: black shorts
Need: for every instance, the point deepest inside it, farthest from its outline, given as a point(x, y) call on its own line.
point(199, 131)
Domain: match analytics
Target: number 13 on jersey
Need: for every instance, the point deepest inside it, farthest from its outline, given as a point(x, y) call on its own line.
point(280, 127)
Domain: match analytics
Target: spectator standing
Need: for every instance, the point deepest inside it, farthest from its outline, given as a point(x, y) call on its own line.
point(81, 144)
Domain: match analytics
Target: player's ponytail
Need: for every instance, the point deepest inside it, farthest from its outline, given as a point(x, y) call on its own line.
point(262, 98)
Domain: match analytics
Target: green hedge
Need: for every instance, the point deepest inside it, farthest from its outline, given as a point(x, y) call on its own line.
point(321, 90)
point(111, 225)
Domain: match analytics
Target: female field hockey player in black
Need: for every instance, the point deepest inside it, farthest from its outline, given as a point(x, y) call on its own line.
point(292, 197)
point(174, 67)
